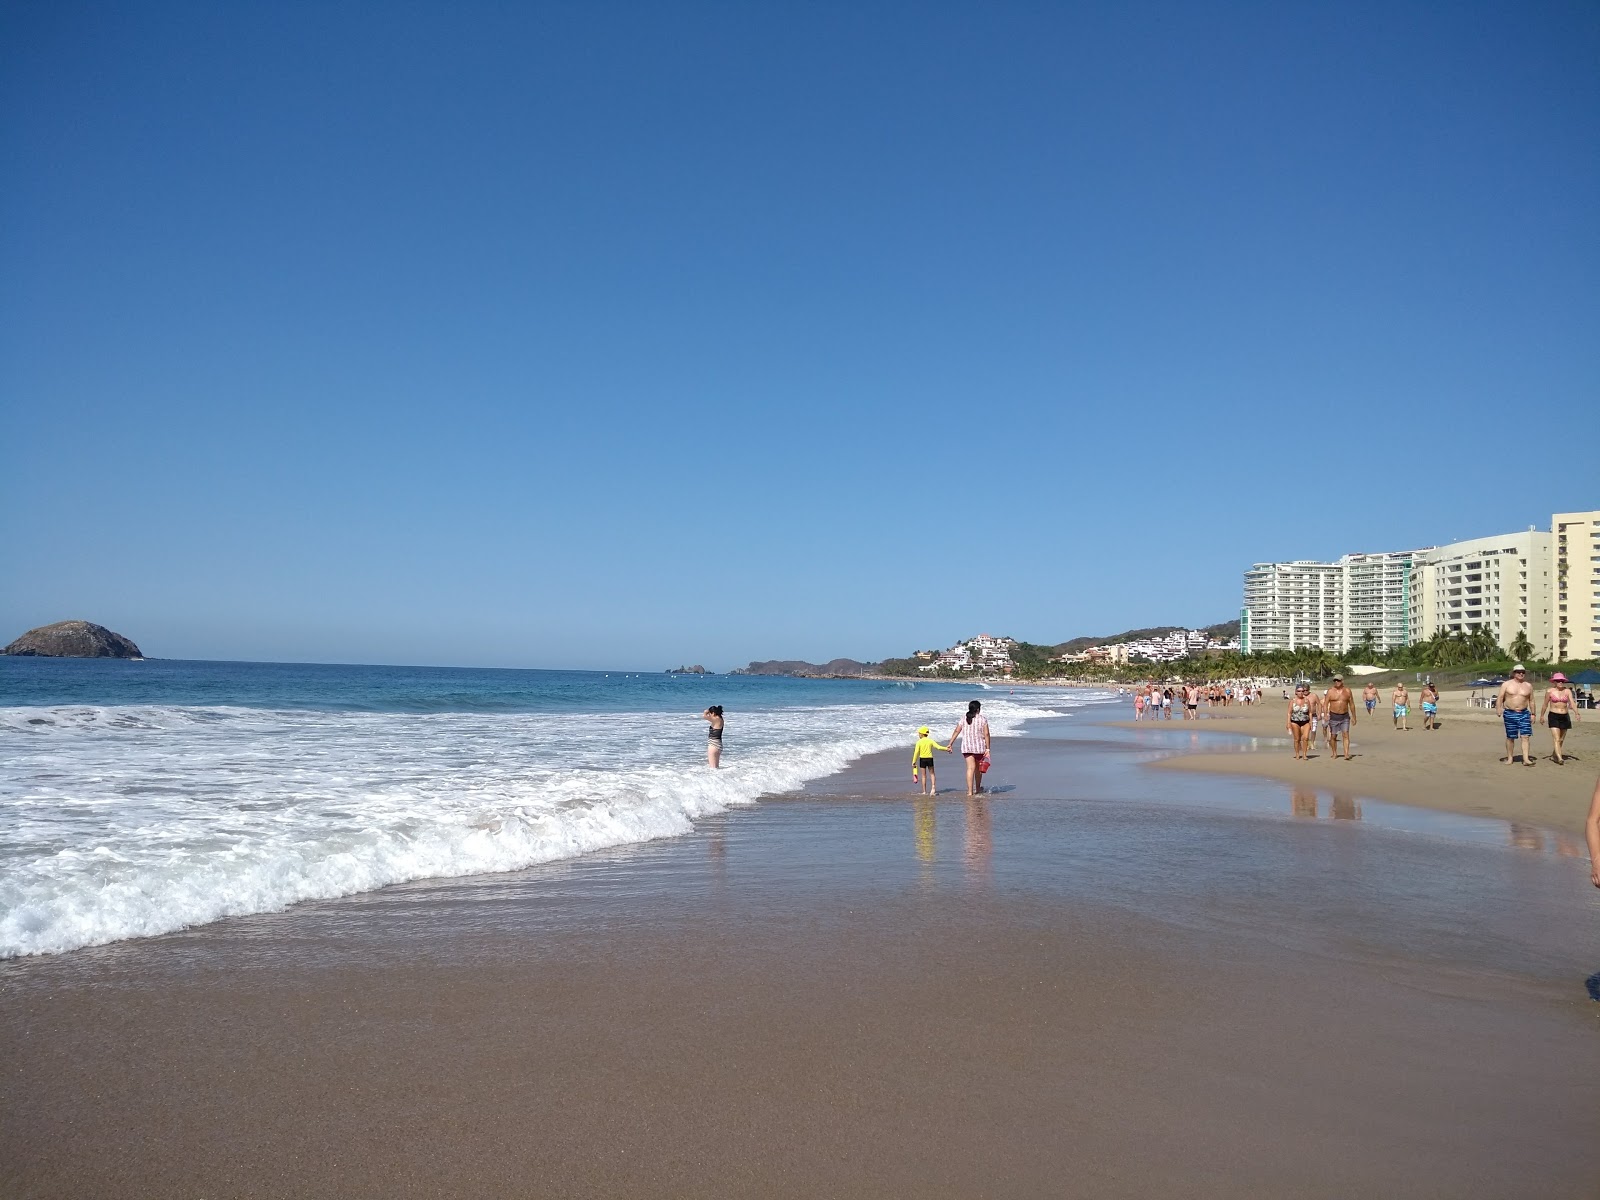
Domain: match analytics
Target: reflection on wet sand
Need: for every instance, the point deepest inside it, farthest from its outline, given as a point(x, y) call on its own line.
point(925, 820)
point(1546, 841)
point(1345, 808)
point(977, 845)
point(1303, 802)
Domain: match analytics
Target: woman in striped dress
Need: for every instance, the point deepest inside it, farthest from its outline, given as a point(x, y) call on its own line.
point(974, 734)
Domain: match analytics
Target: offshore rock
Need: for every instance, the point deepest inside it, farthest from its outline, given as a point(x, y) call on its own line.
point(73, 639)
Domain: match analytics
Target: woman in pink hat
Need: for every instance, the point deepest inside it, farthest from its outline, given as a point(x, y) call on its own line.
point(1561, 713)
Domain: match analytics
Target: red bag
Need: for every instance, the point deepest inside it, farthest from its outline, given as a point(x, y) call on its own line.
point(983, 765)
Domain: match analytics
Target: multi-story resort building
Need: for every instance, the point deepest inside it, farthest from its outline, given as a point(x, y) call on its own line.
point(1288, 605)
point(1543, 585)
point(1377, 599)
point(1575, 567)
point(1501, 584)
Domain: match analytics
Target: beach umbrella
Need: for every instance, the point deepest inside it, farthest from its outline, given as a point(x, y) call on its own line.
point(1588, 678)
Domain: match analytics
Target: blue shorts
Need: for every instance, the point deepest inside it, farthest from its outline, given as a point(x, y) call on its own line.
point(1518, 724)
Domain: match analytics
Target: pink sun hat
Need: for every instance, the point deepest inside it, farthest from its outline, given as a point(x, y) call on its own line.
point(1558, 677)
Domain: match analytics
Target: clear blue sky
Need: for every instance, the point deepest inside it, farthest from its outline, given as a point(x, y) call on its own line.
point(625, 335)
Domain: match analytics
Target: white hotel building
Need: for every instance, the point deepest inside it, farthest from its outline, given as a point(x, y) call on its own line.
point(1329, 605)
point(1291, 604)
point(1545, 585)
point(1501, 584)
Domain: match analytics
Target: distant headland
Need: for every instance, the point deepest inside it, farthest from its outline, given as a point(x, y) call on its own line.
point(72, 639)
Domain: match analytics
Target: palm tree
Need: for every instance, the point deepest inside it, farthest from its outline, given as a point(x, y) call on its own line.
point(1366, 650)
point(1521, 647)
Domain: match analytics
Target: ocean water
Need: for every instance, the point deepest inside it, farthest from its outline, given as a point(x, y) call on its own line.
point(137, 798)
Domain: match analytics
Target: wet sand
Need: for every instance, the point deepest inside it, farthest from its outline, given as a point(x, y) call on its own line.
point(1456, 767)
point(1075, 987)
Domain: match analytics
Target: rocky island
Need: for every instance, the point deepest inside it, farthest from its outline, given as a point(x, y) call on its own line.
point(697, 669)
point(72, 639)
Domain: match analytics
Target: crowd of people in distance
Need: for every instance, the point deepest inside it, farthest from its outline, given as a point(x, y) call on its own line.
point(1155, 702)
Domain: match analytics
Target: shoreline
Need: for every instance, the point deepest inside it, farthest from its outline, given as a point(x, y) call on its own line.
point(1455, 768)
point(853, 992)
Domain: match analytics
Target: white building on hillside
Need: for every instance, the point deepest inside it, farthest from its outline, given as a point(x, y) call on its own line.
point(982, 653)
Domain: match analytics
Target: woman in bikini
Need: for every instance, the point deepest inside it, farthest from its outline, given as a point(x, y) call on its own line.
point(714, 735)
point(1558, 712)
point(1299, 722)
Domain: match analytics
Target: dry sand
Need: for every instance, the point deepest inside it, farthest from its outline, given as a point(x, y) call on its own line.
point(1455, 768)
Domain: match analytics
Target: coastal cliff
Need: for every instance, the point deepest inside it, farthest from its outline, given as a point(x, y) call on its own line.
point(72, 639)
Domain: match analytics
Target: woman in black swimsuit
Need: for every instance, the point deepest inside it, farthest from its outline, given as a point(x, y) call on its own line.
point(714, 735)
point(1301, 708)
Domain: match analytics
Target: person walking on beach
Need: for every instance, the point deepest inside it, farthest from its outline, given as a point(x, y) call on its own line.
point(1402, 707)
point(714, 735)
point(1341, 705)
point(1299, 721)
point(1430, 706)
point(1138, 706)
point(1516, 711)
point(1558, 712)
point(1369, 696)
point(973, 731)
point(922, 760)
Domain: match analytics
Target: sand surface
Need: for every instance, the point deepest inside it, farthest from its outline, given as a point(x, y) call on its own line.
point(1060, 990)
point(1455, 767)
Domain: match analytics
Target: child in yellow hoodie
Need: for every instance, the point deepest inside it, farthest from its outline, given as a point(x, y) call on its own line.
point(922, 760)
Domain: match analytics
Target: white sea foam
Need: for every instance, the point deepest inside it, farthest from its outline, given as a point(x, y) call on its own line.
point(127, 821)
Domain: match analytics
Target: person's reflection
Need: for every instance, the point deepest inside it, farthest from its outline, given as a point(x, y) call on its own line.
point(717, 852)
point(925, 821)
point(977, 846)
point(1303, 803)
point(1526, 837)
point(1567, 846)
point(1346, 808)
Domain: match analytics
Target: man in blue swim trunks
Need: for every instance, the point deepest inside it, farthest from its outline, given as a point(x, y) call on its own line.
point(1516, 710)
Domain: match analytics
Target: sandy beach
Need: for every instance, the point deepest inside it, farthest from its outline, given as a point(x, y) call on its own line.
point(1454, 768)
point(1079, 986)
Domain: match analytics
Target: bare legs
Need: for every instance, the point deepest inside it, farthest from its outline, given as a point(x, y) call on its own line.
point(714, 753)
point(1302, 739)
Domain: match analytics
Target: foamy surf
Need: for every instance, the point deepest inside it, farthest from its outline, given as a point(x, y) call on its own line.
point(129, 821)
